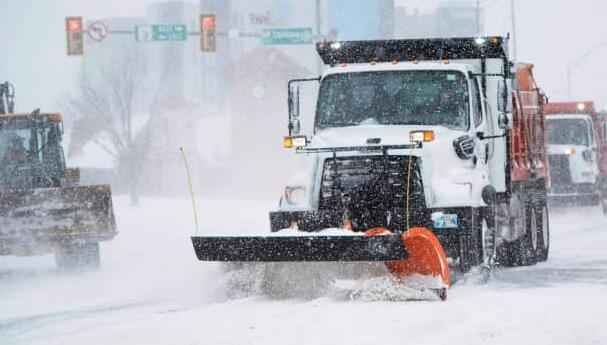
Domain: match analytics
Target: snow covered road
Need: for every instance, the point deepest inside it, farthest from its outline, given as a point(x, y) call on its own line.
point(152, 290)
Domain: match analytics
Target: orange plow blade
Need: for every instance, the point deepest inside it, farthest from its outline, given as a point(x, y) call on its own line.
point(426, 257)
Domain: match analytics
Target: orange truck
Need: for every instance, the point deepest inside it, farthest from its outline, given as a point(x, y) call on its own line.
point(577, 147)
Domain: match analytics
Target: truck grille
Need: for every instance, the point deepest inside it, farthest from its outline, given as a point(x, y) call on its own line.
point(370, 182)
point(560, 175)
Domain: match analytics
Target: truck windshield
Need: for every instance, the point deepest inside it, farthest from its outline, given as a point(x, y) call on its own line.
point(567, 132)
point(394, 98)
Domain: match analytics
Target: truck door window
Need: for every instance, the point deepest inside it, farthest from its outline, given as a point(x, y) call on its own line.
point(477, 103)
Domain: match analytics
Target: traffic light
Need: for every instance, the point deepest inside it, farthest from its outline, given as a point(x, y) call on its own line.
point(75, 35)
point(207, 33)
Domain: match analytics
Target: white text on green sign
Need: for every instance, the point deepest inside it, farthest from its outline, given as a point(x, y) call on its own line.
point(161, 32)
point(287, 36)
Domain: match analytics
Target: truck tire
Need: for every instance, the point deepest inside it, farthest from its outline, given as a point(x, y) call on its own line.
point(603, 204)
point(470, 242)
point(516, 215)
point(543, 233)
point(523, 251)
point(78, 257)
point(488, 235)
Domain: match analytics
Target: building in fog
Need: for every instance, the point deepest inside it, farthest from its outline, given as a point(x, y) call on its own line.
point(360, 19)
point(450, 19)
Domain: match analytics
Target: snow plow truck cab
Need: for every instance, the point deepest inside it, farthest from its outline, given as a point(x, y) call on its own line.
point(428, 149)
point(576, 150)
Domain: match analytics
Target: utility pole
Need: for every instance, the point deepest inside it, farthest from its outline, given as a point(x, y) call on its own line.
point(478, 17)
point(575, 63)
point(318, 29)
point(513, 14)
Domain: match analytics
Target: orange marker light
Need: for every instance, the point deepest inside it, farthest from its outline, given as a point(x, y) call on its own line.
point(287, 142)
point(421, 136)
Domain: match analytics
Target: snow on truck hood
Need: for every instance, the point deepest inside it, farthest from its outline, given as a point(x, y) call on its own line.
point(388, 135)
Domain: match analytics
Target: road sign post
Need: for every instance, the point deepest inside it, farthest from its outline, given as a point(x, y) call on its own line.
point(161, 32)
point(287, 36)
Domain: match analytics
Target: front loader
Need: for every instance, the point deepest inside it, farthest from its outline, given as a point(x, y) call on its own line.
point(43, 208)
point(425, 154)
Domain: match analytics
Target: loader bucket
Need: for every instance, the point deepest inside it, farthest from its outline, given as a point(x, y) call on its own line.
point(51, 217)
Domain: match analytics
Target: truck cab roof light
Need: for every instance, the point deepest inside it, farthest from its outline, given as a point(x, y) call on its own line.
point(581, 106)
point(446, 61)
point(433, 49)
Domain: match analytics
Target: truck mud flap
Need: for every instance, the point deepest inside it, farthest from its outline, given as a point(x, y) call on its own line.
point(48, 215)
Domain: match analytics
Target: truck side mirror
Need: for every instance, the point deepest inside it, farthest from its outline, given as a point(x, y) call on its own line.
point(294, 125)
point(504, 121)
point(502, 97)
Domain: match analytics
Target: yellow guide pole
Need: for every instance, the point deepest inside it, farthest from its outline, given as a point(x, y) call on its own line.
point(189, 176)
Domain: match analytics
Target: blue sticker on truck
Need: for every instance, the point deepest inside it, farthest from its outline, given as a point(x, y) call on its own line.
point(444, 220)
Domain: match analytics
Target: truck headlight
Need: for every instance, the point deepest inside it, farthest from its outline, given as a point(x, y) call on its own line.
point(296, 195)
point(464, 146)
point(569, 151)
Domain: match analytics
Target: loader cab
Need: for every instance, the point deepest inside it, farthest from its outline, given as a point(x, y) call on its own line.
point(31, 155)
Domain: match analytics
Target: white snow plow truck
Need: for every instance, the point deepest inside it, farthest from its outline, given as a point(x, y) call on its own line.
point(423, 150)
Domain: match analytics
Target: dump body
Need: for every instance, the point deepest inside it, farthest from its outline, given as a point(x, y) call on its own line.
point(528, 147)
point(43, 209)
point(577, 151)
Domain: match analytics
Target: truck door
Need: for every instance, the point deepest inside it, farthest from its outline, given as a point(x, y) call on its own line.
point(479, 125)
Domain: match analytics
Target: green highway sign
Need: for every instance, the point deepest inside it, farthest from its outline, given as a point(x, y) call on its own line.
point(161, 32)
point(287, 36)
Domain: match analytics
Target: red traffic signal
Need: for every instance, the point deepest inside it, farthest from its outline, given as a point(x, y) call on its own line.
point(207, 33)
point(74, 35)
point(208, 21)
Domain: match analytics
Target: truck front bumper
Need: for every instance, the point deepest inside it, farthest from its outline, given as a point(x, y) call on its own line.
point(317, 220)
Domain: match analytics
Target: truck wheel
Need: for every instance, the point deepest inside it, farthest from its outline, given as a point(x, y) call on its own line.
point(517, 252)
point(543, 234)
point(78, 257)
point(604, 204)
point(488, 236)
point(523, 251)
point(470, 247)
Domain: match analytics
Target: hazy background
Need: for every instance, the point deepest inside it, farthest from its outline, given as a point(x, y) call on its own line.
point(228, 109)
